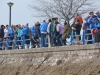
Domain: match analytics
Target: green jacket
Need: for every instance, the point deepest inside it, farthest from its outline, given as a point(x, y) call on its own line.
point(19, 32)
point(67, 31)
point(53, 27)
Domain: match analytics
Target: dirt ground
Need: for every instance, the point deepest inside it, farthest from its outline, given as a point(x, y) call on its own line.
point(87, 67)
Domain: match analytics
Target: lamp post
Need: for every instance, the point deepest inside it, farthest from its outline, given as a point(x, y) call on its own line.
point(10, 4)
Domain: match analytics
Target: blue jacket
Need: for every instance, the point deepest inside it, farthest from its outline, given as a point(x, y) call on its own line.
point(22, 34)
point(33, 31)
point(27, 31)
point(37, 31)
point(96, 25)
point(43, 27)
point(11, 32)
point(90, 22)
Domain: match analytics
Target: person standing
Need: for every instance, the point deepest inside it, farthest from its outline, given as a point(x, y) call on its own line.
point(27, 35)
point(49, 33)
point(6, 32)
point(19, 35)
point(76, 29)
point(32, 37)
point(78, 17)
point(67, 32)
point(5, 36)
point(53, 31)
point(60, 31)
point(11, 36)
point(22, 36)
point(43, 30)
point(1, 36)
point(90, 21)
point(37, 34)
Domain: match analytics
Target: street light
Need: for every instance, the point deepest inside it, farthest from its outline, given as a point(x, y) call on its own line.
point(10, 4)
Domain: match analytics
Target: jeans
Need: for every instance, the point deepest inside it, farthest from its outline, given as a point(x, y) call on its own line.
point(43, 37)
point(1, 43)
point(27, 41)
point(49, 40)
point(19, 42)
point(53, 39)
point(58, 38)
point(64, 42)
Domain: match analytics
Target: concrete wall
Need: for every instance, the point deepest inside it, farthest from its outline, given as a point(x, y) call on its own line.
point(49, 56)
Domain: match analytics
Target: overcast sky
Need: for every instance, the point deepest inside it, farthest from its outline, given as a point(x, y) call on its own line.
point(20, 12)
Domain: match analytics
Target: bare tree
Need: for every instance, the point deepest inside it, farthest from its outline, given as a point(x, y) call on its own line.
point(63, 9)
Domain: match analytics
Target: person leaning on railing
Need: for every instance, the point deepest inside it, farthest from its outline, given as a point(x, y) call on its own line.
point(90, 24)
point(35, 41)
point(96, 29)
point(76, 29)
point(67, 32)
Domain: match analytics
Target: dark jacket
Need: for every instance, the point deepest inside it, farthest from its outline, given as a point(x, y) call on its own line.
point(77, 27)
point(1, 32)
point(67, 31)
point(37, 31)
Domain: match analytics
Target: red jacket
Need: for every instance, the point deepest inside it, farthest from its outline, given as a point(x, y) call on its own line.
point(95, 31)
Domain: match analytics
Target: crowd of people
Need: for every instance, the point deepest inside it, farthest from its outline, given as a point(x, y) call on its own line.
point(48, 34)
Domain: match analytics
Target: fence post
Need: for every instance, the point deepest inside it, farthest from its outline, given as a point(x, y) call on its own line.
point(72, 35)
point(6, 43)
point(83, 38)
point(93, 39)
point(23, 44)
point(15, 44)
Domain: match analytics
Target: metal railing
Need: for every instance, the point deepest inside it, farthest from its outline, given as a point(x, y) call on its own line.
point(22, 42)
point(83, 36)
